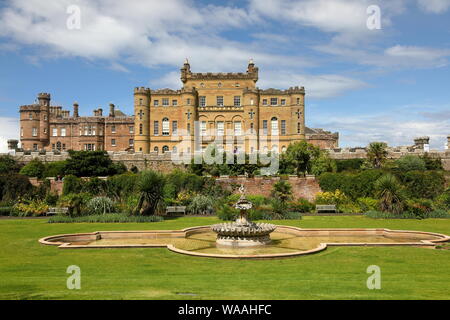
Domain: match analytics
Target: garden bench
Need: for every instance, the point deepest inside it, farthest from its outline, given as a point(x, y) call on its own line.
point(176, 209)
point(54, 211)
point(326, 208)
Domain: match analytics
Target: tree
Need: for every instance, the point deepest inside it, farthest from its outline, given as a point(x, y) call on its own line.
point(410, 162)
point(432, 163)
point(322, 164)
point(34, 168)
point(13, 186)
point(388, 191)
point(91, 164)
point(282, 191)
point(8, 165)
point(151, 188)
point(377, 154)
point(298, 156)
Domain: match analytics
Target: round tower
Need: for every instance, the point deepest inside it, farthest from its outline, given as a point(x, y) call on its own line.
point(44, 125)
point(142, 119)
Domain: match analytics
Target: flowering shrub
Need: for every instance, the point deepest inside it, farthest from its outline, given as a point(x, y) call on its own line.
point(337, 197)
point(33, 207)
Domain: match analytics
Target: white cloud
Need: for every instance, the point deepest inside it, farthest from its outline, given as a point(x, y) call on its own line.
point(9, 129)
point(434, 6)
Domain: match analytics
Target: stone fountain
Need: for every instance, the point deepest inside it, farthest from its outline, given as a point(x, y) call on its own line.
point(243, 232)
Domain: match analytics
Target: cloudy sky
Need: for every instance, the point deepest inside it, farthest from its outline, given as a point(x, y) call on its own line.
point(389, 84)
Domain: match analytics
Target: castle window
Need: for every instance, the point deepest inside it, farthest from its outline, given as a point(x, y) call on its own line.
point(141, 102)
point(273, 101)
point(45, 130)
point(283, 149)
point(30, 116)
point(298, 127)
point(55, 132)
point(131, 129)
point(237, 128)
point(140, 128)
point(203, 128)
point(156, 103)
point(188, 128)
point(93, 130)
point(274, 126)
point(53, 146)
point(174, 149)
point(220, 128)
point(58, 146)
point(165, 149)
point(21, 132)
point(165, 127)
point(113, 129)
point(202, 101)
point(274, 148)
point(219, 84)
point(298, 100)
point(220, 101)
point(264, 102)
point(165, 102)
point(174, 103)
point(174, 128)
point(155, 128)
point(63, 132)
point(251, 127)
point(156, 149)
point(35, 147)
point(252, 102)
point(264, 126)
point(45, 117)
point(131, 142)
point(283, 127)
point(237, 101)
point(283, 102)
point(64, 147)
point(140, 114)
point(113, 142)
point(188, 101)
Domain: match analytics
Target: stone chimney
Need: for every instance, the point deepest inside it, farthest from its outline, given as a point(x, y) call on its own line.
point(112, 112)
point(100, 112)
point(422, 143)
point(447, 147)
point(12, 144)
point(75, 110)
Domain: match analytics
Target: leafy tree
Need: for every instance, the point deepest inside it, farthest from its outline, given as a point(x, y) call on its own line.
point(377, 154)
point(348, 164)
point(297, 158)
point(13, 186)
point(410, 162)
point(54, 169)
point(322, 164)
point(423, 184)
point(34, 168)
point(432, 163)
point(282, 191)
point(150, 186)
point(8, 165)
point(389, 192)
point(91, 164)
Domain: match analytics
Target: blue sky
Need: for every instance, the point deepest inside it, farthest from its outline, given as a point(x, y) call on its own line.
point(390, 84)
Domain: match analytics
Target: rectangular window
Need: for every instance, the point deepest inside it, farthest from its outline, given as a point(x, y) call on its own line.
point(131, 142)
point(165, 102)
point(188, 101)
point(165, 128)
point(283, 127)
point(203, 128)
point(273, 101)
point(283, 102)
point(141, 102)
point(264, 102)
point(174, 103)
point(113, 142)
point(299, 127)
point(220, 128)
point(21, 132)
point(155, 128)
point(188, 128)
point(202, 101)
point(252, 127)
point(35, 147)
point(298, 100)
point(113, 129)
point(63, 132)
point(55, 132)
point(131, 129)
point(274, 127)
point(174, 128)
point(264, 126)
point(30, 116)
point(237, 128)
point(156, 103)
point(220, 101)
point(237, 101)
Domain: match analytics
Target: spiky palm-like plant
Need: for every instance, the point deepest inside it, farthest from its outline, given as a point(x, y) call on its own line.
point(377, 153)
point(388, 190)
point(150, 186)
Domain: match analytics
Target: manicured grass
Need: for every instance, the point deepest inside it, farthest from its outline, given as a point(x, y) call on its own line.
point(29, 270)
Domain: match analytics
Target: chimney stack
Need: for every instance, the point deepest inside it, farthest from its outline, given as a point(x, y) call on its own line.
point(75, 110)
point(112, 112)
point(100, 112)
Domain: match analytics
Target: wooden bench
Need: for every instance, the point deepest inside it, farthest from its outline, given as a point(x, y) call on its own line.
point(54, 211)
point(326, 208)
point(176, 209)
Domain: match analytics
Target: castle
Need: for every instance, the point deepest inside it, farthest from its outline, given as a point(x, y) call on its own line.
point(209, 107)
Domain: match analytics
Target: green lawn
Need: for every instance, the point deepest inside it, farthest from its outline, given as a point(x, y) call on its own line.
point(29, 270)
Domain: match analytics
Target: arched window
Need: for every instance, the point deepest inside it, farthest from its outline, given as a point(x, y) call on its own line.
point(156, 149)
point(165, 149)
point(283, 149)
point(165, 127)
point(58, 146)
point(274, 126)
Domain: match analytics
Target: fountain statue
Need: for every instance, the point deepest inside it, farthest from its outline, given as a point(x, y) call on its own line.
point(243, 232)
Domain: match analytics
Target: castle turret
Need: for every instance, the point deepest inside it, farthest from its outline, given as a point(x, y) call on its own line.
point(142, 119)
point(252, 70)
point(112, 112)
point(75, 110)
point(44, 99)
point(185, 71)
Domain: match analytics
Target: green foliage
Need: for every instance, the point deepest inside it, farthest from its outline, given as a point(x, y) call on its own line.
point(227, 213)
point(51, 199)
point(8, 165)
point(432, 163)
point(420, 208)
point(75, 202)
point(54, 169)
point(367, 204)
point(410, 162)
point(72, 184)
point(337, 198)
point(423, 184)
point(302, 205)
point(120, 186)
point(150, 185)
point(91, 164)
point(298, 158)
point(282, 191)
point(34, 168)
point(443, 201)
point(5, 211)
point(100, 205)
point(436, 214)
point(323, 163)
point(13, 186)
point(201, 204)
point(349, 164)
point(30, 207)
point(377, 154)
point(94, 186)
point(388, 191)
point(105, 218)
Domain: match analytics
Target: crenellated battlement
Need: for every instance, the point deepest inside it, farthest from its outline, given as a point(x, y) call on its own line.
point(142, 90)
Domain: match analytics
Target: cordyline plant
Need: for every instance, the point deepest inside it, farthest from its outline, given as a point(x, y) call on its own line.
point(388, 191)
point(150, 185)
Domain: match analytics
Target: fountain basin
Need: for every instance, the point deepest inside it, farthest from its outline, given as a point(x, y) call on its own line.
point(243, 235)
point(286, 241)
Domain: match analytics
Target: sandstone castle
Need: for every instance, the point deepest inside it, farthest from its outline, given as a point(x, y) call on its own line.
point(210, 105)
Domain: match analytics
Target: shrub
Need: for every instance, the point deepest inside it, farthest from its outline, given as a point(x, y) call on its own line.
point(13, 186)
point(443, 201)
point(388, 191)
point(423, 184)
point(51, 199)
point(8, 165)
point(336, 198)
point(419, 207)
point(201, 204)
point(349, 164)
point(35, 168)
point(349, 208)
point(301, 205)
point(227, 213)
point(118, 187)
point(91, 164)
point(72, 184)
point(437, 214)
point(432, 163)
point(410, 162)
point(75, 202)
point(34, 207)
point(100, 205)
point(367, 204)
point(5, 211)
point(105, 218)
point(150, 185)
point(282, 191)
point(54, 169)
point(94, 186)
